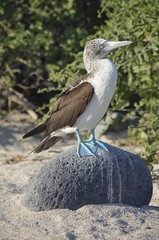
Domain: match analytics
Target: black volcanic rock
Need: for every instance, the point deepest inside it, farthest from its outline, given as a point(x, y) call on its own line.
point(68, 181)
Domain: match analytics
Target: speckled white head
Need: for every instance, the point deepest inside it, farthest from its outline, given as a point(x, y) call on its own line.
point(98, 49)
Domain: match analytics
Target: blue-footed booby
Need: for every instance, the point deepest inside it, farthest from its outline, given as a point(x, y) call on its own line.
point(82, 105)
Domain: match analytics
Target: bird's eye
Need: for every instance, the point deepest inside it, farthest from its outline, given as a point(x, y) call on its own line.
point(101, 46)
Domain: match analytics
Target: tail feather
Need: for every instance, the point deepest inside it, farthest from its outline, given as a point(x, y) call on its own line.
point(47, 143)
point(39, 129)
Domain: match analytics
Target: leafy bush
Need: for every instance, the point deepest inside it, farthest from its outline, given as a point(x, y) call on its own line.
point(138, 82)
point(43, 41)
point(37, 40)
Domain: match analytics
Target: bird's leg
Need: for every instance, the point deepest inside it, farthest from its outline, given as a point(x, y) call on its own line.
point(95, 142)
point(92, 137)
point(85, 148)
point(90, 146)
point(92, 141)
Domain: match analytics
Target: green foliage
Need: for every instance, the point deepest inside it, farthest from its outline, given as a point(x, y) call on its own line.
point(38, 38)
point(40, 41)
point(138, 66)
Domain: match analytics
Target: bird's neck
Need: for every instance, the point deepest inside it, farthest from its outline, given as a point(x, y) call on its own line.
point(98, 65)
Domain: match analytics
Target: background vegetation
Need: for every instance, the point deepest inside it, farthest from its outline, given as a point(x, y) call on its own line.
point(41, 45)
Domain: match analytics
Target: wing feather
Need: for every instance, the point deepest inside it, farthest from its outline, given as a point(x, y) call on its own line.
point(69, 106)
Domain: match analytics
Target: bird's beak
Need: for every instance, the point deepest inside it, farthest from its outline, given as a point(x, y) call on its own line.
point(109, 46)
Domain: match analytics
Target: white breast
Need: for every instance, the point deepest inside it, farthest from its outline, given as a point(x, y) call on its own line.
point(104, 83)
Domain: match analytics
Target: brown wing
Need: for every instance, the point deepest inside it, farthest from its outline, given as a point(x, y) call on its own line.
point(42, 128)
point(69, 106)
point(75, 83)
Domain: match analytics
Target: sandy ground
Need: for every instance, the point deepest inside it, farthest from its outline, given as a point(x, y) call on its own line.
point(89, 222)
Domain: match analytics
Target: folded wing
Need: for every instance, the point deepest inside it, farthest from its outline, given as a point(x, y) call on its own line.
point(68, 107)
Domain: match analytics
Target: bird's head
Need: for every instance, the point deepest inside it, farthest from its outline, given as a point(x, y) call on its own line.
point(99, 48)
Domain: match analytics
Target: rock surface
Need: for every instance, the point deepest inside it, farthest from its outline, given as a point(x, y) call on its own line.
point(93, 222)
point(102, 222)
point(68, 181)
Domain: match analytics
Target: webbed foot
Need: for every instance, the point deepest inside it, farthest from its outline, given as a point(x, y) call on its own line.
point(90, 146)
point(86, 149)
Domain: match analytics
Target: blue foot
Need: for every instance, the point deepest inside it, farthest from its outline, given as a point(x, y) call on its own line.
point(86, 149)
point(101, 145)
point(90, 146)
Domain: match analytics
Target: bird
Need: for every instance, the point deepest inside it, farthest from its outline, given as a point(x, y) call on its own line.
point(82, 105)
